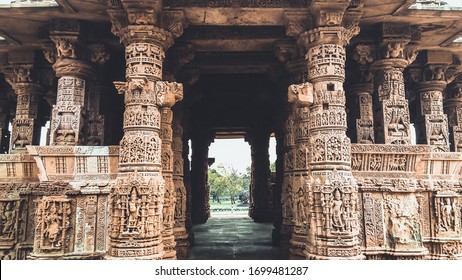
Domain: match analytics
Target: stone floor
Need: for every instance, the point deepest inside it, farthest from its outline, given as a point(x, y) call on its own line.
point(233, 238)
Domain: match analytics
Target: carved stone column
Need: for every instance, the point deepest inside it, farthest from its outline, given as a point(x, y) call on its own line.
point(326, 194)
point(433, 128)
point(139, 221)
point(200, 208)
point(453, 109)
point(260, 193)
point(26, 130)
point(181, 236)
point(394, 54)
point(67, 119)
point(95, 132)
point(362, 91)
point(170, 189)
point(288, 53)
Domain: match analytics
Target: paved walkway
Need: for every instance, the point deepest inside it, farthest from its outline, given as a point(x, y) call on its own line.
point(233, 238)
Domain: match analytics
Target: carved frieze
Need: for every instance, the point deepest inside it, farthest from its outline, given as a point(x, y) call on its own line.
point(54, 226)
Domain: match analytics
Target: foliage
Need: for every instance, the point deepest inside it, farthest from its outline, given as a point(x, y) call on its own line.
point(225, 180)
point(273, 167)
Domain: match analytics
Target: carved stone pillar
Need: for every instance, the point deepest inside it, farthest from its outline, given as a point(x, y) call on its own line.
point(260, 193)
point(288, 53)
point(181, 236)
point(26, 130)
point(170, 189)
point(453, 109)
point(138, 215)
point(394, 54)
point(362, 91)
point(433, 128)
point(326, 194)
point(67, 117)
point(200, 209)
point(95, 132)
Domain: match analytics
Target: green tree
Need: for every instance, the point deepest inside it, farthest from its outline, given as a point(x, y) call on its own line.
point(225, 180)
point(217, 184)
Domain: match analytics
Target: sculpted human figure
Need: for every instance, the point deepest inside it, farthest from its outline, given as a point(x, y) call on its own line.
point(288, 202)
point(447, 219)
point(65, 49)
point(337, 212)
point(53, 225)
point(8, 220)
point(133, 212)
point(299, 207)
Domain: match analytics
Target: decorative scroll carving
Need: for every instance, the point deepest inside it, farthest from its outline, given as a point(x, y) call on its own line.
point(144, 59)
point(325, 60)
point(373, 221)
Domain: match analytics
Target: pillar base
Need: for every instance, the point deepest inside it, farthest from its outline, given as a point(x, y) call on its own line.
point(70, 256)
point(182, 245)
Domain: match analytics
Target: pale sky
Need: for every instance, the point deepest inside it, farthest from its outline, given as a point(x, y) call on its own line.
point(236, 153)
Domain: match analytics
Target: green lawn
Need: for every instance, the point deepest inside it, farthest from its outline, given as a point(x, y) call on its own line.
point(225, 205)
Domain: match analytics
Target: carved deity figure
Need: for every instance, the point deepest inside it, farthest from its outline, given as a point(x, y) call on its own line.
point(338, 218)
point(394, 50)
point(166, 209)
point(288, 202)
point(8, 220)
point(53, 225)
point(179, 203)
point(447, 215)
point(65, 49)
point(133, 212)
point(299, 207)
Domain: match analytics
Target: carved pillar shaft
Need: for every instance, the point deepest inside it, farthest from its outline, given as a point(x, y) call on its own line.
point(365, 122)
point(325, 196)
point(26, 130)
point(139, 194)
point(95, 131)
point(287, 185)
point(298, 74)
point(181, 236)
point(362, 92)
point(170, 191)
point(453, 108)
point(395, 52)
point(434, 123)
point(67, 118)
